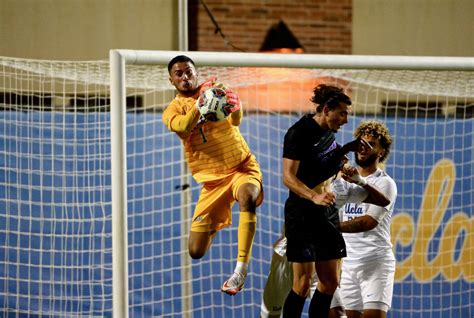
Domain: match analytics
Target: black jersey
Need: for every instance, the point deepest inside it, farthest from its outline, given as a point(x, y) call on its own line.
point(314, 148)
point(310, 228)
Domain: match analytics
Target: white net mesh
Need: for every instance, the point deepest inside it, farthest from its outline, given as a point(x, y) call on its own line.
point(55, 188)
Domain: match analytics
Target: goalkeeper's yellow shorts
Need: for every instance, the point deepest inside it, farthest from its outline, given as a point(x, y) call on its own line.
point(214, 208)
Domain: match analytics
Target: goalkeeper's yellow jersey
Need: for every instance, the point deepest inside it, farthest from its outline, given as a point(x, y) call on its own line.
point(214, 150)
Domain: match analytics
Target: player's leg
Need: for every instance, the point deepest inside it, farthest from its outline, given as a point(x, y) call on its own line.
point(199, 243)
point(328, 280)
point(337, 312)
point(212, 213)
point(376, 313)
point(328, 273)
point(350, 292)
point(377, 281)
point(353, 314)
point(277, 287)
point(247, 195)
point(337, 306)
point(294, 303)
point(247, 190)
point(329, 248)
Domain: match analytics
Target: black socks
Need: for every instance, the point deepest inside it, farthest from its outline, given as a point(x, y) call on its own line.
point(318, 308)
point(293, 305)
point(320, 305)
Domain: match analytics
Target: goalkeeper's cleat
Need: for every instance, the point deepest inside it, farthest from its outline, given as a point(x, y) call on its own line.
point(234, 284)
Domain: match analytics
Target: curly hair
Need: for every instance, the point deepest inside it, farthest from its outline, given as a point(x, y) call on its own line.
point(378, 130)
point(330, 96)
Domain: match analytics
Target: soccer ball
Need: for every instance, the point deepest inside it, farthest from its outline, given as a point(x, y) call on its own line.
point(211, 104)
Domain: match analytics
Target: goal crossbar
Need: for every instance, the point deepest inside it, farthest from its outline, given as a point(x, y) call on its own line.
point(386, 62)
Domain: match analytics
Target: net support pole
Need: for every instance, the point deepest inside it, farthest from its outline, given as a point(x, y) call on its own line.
point(186, 192)
point(119, 185)
point(183, 24)
point(186, 269)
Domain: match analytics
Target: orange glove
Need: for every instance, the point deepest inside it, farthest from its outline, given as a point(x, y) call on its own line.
point(233, 102)
point(207, 84)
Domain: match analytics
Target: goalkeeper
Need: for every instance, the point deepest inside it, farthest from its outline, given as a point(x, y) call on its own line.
point(219, 159)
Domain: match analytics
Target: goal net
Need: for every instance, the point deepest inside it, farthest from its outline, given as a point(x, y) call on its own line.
point(62, 200)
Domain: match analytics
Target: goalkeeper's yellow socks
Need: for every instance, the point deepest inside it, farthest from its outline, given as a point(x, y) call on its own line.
point(241, 267)
point(246, 233)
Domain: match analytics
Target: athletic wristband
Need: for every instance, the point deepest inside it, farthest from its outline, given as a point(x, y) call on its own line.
point(360, 181)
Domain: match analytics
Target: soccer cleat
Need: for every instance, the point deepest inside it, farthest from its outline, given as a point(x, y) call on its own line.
point(234, 284)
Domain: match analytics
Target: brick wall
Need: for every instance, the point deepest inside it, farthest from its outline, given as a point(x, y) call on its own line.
point(321, 26)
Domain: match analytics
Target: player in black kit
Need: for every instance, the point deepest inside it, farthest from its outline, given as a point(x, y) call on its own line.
point(310, 156)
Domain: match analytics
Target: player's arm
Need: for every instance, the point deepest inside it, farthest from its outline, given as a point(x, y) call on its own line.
point(359, 224)
point(178, 122)
point(374, 195)
point(374, 213)
point(181, 123)
point(234, 107)
point(340, 153)
point(236, 117)
point(371, 219)
point(366, 222)
point(290, 167)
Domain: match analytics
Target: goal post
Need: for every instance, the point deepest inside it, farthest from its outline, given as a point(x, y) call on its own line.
point(96, 198)
point(118, 126)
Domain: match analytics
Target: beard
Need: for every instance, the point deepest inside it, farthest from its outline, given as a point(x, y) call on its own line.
point(366, 162)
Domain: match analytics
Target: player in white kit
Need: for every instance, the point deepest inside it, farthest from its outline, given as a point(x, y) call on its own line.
point(368, 271)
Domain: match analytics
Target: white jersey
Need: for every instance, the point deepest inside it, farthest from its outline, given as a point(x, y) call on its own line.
point(376, 243)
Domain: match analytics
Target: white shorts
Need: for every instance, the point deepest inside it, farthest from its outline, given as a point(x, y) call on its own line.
point(363, 285)
point(278, 286)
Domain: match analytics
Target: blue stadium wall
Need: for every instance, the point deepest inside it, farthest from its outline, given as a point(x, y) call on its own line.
point(432, 229)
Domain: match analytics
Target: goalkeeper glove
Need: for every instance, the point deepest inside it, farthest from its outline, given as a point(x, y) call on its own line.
point(233, 102)
point(207, 84)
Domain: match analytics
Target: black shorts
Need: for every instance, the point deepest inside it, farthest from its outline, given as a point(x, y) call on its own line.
point(311, 236)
